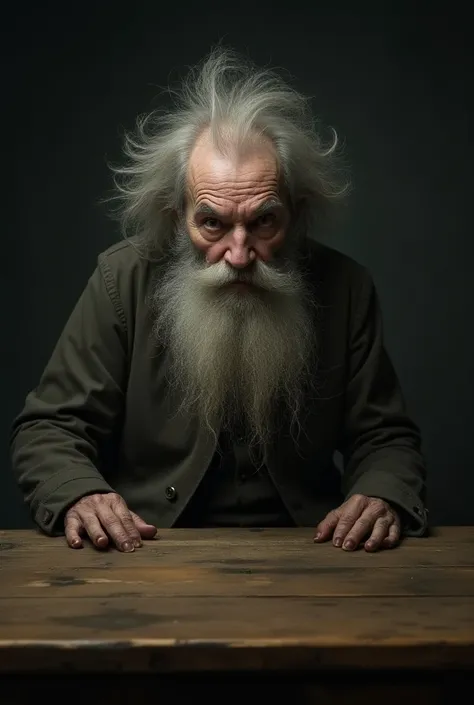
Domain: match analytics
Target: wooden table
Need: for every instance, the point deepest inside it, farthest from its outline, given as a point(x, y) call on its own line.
point(262, 610)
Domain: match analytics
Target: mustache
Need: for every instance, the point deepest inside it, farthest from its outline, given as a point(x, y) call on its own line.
point(260, 274)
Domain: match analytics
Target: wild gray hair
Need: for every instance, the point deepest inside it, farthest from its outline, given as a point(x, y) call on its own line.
point(235, 100)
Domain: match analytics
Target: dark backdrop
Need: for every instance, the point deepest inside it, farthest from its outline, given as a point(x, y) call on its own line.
point(392, 80)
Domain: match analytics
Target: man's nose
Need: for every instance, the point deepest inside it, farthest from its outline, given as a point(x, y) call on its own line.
point(239, 253)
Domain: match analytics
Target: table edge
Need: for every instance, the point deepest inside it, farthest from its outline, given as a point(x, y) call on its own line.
point(173, 655)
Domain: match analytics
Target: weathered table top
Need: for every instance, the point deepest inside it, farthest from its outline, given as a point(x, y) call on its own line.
point(236, 599)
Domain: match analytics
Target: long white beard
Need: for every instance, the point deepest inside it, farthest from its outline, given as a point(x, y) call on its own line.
point(235, 353)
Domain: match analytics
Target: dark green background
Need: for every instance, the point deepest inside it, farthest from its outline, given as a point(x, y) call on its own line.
point(393, 78)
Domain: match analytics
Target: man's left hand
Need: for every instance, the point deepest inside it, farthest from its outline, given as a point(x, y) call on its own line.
point(358, 519)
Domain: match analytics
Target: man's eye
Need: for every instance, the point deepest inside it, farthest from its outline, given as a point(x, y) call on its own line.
point(212, 224)
point(266, 220)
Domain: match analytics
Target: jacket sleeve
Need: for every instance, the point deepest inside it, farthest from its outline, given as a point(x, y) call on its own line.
point(55, 440)
point(381, 445)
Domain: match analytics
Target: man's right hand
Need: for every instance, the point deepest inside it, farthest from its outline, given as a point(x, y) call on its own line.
point(105, 518)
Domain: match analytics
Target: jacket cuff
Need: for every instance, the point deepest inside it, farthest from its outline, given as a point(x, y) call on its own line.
point(59, 492)
point(414, 515)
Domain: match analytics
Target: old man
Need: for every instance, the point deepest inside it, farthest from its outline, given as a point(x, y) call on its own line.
point(220, 356)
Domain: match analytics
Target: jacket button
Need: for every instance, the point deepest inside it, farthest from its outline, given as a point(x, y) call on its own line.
point(170, 494)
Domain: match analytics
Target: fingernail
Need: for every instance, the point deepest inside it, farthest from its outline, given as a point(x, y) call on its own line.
point(137, 543)
point(76, 543)
point(349, 545)
point(369, 545)
point(102, 541)
point(338, 542)
point(318, 536)
point(128, 547)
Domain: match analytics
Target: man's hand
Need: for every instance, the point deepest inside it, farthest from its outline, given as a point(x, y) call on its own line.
point(105, 517)
point(360, 519)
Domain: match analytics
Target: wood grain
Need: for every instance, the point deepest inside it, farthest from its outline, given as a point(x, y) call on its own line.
point(236, 599)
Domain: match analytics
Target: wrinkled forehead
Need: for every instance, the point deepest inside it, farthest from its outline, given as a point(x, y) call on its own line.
point(245, 170)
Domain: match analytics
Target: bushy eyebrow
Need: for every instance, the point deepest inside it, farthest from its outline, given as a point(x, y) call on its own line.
point(267, 206)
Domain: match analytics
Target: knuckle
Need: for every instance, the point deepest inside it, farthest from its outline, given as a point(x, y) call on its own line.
point(131, 531)
point(377, 502)
point(364, 523)
point(114, 525)
point(116, 500)
point(86, 501)
point(358, 499)
point(327, 522)
point(94, 501)
point(118, 535)
point(86, 505)
point(107, 516)
point(123, 513)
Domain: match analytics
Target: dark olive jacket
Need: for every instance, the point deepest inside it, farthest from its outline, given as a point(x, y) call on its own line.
point(102, 417)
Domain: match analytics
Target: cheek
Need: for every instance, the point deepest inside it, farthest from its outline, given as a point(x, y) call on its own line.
point(198, 241)
point(266, 249)
point(215, 251)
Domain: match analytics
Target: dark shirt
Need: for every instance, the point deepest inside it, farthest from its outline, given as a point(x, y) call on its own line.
point(236, 491)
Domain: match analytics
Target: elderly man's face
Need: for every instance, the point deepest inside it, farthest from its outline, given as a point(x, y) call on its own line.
point(235, 211)
point(235, 317)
